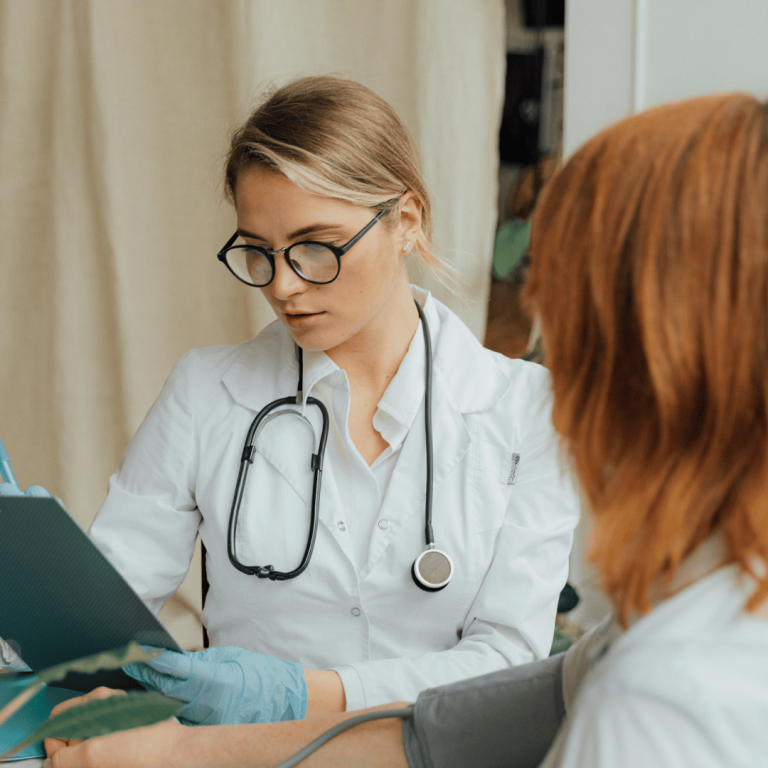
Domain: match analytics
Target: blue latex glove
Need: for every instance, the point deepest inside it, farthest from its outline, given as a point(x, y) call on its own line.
point(9, 489)
point(10, 485)
point(226, 685)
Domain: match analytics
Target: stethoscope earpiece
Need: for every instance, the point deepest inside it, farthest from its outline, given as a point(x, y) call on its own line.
point(432, 570)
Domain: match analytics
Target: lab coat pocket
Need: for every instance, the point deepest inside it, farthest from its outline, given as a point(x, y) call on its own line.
point(494, 469)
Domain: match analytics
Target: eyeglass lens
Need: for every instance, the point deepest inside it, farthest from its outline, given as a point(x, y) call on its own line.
point(312, 261)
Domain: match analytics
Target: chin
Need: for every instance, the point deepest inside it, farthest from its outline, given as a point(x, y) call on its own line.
point(313, 340)
point(319, 341)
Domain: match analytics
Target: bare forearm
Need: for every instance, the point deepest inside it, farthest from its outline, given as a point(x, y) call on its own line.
point(376, 743)
point(325, 693)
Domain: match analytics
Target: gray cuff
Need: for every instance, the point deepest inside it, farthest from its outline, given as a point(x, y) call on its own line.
point(506, 719)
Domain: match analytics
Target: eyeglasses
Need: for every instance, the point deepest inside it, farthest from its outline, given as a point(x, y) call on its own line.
point(318, 263)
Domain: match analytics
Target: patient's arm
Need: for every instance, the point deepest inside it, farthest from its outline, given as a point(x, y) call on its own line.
point(501, 720)
point(231, 746)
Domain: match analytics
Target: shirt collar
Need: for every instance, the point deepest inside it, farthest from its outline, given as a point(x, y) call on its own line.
point(402, 398)
point(318, 366)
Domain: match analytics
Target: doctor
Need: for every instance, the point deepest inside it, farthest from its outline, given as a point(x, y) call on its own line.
point(330, 205)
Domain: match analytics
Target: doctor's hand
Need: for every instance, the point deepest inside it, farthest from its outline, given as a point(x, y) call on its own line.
point(226, 685)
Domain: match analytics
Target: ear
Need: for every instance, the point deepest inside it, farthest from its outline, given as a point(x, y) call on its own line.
point(410, 221)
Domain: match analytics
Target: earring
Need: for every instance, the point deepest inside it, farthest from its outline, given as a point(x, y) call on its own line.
point(407, 246)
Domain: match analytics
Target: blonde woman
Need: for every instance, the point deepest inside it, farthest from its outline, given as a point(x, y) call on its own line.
point(380, 497)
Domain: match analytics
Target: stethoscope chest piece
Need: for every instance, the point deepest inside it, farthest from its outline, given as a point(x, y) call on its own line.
point(432, 570)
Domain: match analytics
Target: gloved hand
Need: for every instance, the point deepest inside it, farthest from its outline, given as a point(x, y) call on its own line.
point(10, 486)
point(226, 685)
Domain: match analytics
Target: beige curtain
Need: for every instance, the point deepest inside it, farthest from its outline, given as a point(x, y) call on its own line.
point(114, 117)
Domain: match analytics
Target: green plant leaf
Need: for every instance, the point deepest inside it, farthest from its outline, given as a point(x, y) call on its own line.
point(15, 704)
point(102, 716)
point(113, 659)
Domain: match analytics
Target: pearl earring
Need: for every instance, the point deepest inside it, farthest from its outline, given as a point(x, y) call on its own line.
point(407, 246)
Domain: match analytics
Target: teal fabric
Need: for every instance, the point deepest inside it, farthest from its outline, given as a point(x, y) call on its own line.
point(512, 239)
point(30, 716)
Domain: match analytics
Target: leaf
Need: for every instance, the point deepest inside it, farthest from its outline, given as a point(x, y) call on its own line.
point(114, 659)
point(15, 704)
point(102, 716)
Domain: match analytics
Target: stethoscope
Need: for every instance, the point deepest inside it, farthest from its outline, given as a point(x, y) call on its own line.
point(433, 568)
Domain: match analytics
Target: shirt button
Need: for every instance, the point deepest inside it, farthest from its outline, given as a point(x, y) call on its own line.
point(341, 526)
point(383, 524)
point(384, 415)
point(355, 612)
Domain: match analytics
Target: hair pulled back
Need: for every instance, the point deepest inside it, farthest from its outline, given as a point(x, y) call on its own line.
point(650, 275)
point(334, 138)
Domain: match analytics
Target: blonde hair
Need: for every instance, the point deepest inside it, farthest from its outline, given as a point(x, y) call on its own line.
point(335, 138)
point(649, 255)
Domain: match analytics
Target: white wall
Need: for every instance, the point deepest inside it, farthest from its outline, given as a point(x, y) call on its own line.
point(623, 56)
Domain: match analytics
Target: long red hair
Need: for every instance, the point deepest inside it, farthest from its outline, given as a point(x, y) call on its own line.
point(650, 274)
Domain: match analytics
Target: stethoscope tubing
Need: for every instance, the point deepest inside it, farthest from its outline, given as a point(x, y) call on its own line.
point(246, 459)
point(267, 571)
point(429, 535)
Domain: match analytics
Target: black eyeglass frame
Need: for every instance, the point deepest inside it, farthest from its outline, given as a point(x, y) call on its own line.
point(338, 252)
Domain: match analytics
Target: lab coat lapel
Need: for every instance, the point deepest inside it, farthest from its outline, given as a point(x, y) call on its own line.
point(265, 369)
point(287, 444)
point(272, 355)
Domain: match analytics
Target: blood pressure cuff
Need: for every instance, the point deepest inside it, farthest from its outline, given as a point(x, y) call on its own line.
point(507, 719)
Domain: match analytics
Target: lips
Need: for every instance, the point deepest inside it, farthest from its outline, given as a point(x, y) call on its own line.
point(302, 319)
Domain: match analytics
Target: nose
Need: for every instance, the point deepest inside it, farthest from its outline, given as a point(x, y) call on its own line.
point(286, 282)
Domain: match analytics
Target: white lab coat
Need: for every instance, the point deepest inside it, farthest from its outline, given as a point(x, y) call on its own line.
point(686, 686)
point(389, 640)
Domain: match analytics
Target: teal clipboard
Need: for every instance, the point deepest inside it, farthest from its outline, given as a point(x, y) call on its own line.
point(60, 599)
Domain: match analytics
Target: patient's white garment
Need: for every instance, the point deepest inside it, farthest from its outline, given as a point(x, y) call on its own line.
point(685, 685)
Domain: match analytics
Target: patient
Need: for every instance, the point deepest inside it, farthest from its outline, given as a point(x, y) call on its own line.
point(650, 275)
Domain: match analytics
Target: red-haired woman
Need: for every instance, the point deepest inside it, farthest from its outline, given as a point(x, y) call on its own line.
point(650, 275)
point(651, 279)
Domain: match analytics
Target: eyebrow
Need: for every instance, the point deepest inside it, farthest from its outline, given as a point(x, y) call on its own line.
point(312, 229)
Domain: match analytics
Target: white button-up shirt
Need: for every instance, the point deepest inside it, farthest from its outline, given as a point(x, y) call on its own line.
point(355, 609)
